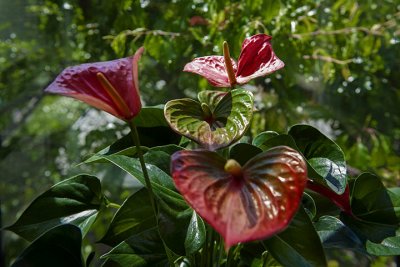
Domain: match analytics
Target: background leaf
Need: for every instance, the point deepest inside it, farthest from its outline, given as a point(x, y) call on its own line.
point(74, 201)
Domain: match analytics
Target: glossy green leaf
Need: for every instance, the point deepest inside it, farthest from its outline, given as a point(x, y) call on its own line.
point(174, 218)
point(371, 201)
point(162, 183)
point(141, 250)
point(59, 246)
point(151, 116)
point(324, 156)
point(242, 203)
point(123, 146)
point(161, 156)
point(335, 234)
point(218, 120)
point(134, 216)
point(372, 231)
point(263, 137)
point(390, 246)
point(243, 152)
point(309, 205)
point(298, 245)
point(196, 234)
point(269, 141)
point(174, 214)
point(74, 201)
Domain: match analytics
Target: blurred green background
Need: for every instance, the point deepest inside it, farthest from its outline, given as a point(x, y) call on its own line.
point(342, 75)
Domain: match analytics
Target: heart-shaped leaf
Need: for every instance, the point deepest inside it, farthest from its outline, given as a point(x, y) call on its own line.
point(218, 120)
point(245, 203)
point(73, 201)
point(60, 246)
point(326, 159)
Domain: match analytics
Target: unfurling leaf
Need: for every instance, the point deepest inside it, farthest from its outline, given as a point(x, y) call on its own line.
point(218, 120)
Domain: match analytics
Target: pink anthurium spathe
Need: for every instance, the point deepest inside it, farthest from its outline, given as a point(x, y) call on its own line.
point(111, 86)
point(246, 203)
point(256, 59)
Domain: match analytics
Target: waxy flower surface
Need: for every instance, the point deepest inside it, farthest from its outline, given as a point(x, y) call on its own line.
point(246, 203)
point(111, 86)
point(256, 59)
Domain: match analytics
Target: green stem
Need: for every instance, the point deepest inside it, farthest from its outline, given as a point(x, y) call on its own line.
point(136, 140)
point(135, 137)
point(113, 205)
point(229, 258)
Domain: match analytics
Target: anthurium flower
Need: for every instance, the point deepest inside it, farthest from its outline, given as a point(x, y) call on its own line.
point(246, 203)
point(256, 59)
point(111, 86)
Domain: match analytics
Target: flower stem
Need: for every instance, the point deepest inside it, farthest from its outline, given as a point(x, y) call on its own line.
point(113, 205)
point(136, 140)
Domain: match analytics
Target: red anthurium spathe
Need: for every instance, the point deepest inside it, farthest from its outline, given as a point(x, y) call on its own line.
point(111, 86)
point(246, 203)
point(342, 201)
point(256, 59)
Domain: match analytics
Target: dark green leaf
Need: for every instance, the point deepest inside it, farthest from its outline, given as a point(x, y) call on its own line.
point(309, 205)
point(289, 247)
point(334, 234)
point(141, 250)
point(134, 216)
point(276, 140)
point(324, 156)
point(174, 217)
point(151, 117)
point(242, 152)
point(371, 201)
point(60, 246)
point(262, 137)
point(73, 201)
point(374, 232)
point(218, 120)
point(162, 182)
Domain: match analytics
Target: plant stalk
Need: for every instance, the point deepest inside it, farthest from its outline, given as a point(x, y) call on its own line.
point(136, 140)
point(135, 137)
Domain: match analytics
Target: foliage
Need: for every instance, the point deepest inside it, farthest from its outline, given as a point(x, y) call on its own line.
point(341, 60)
